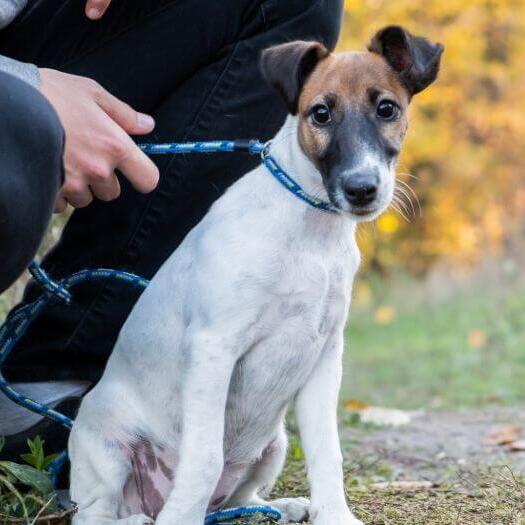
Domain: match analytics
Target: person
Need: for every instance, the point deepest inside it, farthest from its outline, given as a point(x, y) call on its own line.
point(97, 73)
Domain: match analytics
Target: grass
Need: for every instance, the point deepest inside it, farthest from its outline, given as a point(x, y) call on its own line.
point(464, 352)
point(491, 496)
point(26, 489)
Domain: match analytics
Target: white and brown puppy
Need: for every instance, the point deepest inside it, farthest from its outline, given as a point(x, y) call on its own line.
point(248, 314)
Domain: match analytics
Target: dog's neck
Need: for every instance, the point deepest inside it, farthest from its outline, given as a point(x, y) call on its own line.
point(324, 226)
point(292, 159)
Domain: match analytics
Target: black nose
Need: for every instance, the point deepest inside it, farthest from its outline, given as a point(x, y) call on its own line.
point(360, 192)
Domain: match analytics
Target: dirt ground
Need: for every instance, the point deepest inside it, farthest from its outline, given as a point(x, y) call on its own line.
point(433, 447)
point(455, 479)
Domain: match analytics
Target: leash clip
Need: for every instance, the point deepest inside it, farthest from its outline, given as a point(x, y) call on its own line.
point(265, 150)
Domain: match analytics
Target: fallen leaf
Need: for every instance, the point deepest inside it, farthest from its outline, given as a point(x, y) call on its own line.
point(404, 485)
point(355, 404)
point(502, 435)
point(517, 446)
point(386, 416)
point(384, 315)
point(477, 339)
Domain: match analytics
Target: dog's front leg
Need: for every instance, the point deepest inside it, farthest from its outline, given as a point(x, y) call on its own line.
point(204, 392)
point(317, 418)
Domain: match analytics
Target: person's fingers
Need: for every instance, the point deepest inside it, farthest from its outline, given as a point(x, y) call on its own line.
point(107, 189)
point(80, 199)
point(95, 9)
point(139, 169)
point(77, 192)
point(60, 204)
point(124, 115)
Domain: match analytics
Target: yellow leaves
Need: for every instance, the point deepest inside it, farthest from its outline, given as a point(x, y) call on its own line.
point(388, 223)
point(354, 404)
point(477, 339)
point(384, 315)
point(464, 143)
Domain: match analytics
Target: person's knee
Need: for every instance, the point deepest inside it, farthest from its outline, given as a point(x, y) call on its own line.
point(31, 165)
point(31, 119)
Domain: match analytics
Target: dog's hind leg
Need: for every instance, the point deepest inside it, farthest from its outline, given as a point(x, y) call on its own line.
point(261, 478)
point(99, 471)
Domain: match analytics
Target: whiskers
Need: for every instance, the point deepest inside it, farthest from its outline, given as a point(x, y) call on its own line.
point(403, 200)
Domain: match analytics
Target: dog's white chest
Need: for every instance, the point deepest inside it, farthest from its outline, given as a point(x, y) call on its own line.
point(304, 312)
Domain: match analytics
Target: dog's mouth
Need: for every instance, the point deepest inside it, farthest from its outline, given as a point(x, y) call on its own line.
point(359, 213)
point(363, 213)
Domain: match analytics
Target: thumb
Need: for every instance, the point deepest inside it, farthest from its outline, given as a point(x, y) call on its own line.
point(134, 122)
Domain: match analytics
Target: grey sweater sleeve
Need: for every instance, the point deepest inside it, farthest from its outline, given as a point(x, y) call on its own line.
point(28, 72)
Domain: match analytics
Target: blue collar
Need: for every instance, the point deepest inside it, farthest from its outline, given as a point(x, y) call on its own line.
point(290, 184)
point(255, 147)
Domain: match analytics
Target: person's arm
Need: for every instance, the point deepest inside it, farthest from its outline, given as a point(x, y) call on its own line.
point(97, 127)
point(96, 124)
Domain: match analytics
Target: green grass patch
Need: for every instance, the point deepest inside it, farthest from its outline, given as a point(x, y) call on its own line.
point(464, 352)
point(491, 496)
point(26, 490)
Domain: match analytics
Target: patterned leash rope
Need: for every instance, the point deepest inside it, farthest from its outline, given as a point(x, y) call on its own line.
point(19, 320)
point(225, 516)
point(254, 147)
point(16, 326)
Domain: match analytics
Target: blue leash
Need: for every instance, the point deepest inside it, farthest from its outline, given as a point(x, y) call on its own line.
point(250, 146)
point(19, 319)
point(224, 516)
point(16, 325)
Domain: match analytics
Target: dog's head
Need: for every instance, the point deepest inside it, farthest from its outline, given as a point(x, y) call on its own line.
point(352, 110)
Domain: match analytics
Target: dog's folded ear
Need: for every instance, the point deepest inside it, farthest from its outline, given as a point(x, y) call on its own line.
point(287, 66)
point(414, 58)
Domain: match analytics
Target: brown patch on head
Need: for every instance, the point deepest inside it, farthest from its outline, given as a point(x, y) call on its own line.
point(287, 67)
point(349, 83)
point(352, 109)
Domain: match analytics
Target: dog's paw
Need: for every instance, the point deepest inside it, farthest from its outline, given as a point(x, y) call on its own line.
point(292, 509)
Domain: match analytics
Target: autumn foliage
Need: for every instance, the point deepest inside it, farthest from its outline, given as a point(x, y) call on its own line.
point(464, 154)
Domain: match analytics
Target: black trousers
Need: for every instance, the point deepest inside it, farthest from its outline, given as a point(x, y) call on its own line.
point(31, 143)
point(192, 64)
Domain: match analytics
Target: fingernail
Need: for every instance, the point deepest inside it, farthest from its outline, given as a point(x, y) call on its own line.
point(93, 13)
point(145, 121)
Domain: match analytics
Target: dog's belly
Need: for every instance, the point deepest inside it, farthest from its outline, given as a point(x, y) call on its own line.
point(151, 481)
point(252, 420)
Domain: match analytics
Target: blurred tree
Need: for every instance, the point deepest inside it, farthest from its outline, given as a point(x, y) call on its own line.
point(464, 155)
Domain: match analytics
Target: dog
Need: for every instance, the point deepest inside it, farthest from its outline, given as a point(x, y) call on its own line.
point(248, 314)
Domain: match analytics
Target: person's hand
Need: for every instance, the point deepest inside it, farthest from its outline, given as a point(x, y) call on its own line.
point(95, 9)
point(97, 127)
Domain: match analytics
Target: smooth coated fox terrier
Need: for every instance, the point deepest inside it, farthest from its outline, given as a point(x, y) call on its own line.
point(248, 313)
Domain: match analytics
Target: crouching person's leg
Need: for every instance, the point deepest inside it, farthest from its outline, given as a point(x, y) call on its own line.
point(31, 148)
point(31, 145)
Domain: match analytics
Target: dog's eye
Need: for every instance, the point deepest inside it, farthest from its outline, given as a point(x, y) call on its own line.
point(387, 110)
point(321, 114)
